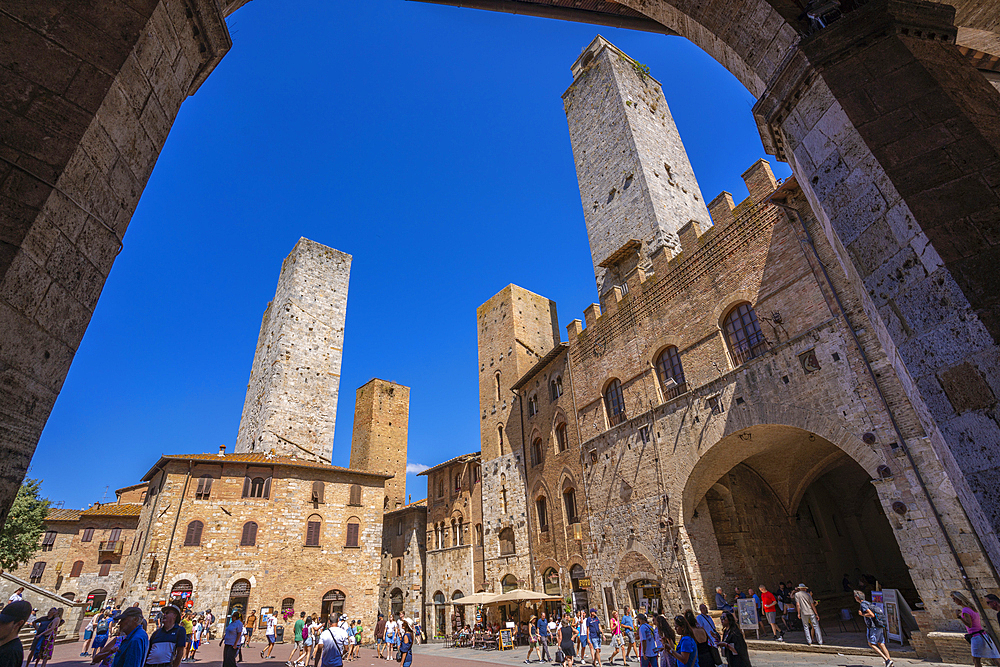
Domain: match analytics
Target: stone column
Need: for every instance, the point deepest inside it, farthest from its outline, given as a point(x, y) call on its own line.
point(895, 139)
point(90, 93)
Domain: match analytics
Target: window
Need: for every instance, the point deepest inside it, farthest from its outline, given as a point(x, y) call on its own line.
point(500, 436)
point(287, 605)
point(550, 580)
point(313, 525)
point(440, 487)
point(353, 534)
point(670, 373)
point(399, 567)
point(569, 498)
point(249, 536)
point(355, 495)
point(258, 487)
point(105, 568)
point(460, 536)
point(116, 535)
point(562, 441)
point(508, 583)
point(476, 474)
point(533, 405)
point(543, 515)
point(743, 334)
point(88, 535)
point(497, 376)
point(479, 534)
point(458, 481)
point(536, 452)
point(317, 492)
point(555, 387)
point(204, 489)
point(136, 542)
point(614, 403)
point(49, 541)
point(36, 572)
point(193, 536)
point(507, 542)
point(77, 569)
point(399, 527)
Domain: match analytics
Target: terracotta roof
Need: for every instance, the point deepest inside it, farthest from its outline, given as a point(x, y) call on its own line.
point(263, 459)
point(63, 515)
point(134, 486)
point(473, 455)
point(418, 503)
point(113, 509)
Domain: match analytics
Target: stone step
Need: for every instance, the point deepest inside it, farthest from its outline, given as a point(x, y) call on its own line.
point(830, 649)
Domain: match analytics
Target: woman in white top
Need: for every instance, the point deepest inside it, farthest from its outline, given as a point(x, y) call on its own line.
point(16, 596)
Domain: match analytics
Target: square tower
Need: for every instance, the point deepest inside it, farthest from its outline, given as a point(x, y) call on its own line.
point(291, 401)
point(381, 419)
point(636, 182)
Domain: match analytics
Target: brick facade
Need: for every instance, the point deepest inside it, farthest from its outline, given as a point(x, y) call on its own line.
point(381, 418)
point(404, 561)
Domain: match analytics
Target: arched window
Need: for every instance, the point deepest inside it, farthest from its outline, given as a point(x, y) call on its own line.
point(240, 589)
point(396, 601)
point(353, 533)
point(460, 538)
point(476, 474)
point(317, 492)
point(399, 567)
point(114, 537)
point(257, 487)
point(536, 452)
point(507, 542)
point(355, 495)
point(439, 598)
point(569, 499)
point(249, 537)
point(479, 534)
point(458, 481)
point(562, 439)
point(313, 524)
point(614, 403)
point(457, 595)
point(204, 490)
point(550, 579)
point(192, 538)
point(743, 334)
point(532, 405)
point(77, 569)
point(287, 605)
point(500, 436)
point(497, 376)
point(508, 583)
point(670, 373)
point(543, 514)
point(556, 387)
point(440, 486)
point(105, 568)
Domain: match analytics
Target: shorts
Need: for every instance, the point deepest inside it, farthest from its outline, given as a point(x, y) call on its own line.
point(616, 641)
point(772, 616)
point(299, 644)
point(629, 636)
point(270, 639)
point(876, 636)
point(648, 661)
point(983, 647)
point(195, 644)
point(583, 638)
point(309, 640)
point(596, 642)
point(99, 642)
point(380, 640)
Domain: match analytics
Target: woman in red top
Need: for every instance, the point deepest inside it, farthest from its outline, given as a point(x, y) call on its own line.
point(770, 605)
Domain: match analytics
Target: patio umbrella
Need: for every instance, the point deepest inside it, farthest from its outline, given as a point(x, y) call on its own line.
point(477, 598)
point(522, 595)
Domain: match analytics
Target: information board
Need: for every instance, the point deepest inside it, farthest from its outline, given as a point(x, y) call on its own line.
point(506, 640)
point(890, 600)
point(746, 608)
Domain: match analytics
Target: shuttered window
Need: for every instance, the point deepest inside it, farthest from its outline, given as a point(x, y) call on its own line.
point(312, 530)
point(249, 537)
point(353, 530)
point(36, 571)
point(193, 536)
point(77, 569)
point(105, 569)
point(49, 541)
point(355, 494)
point(257, 487)
point(204, 490)
point(317, 492)
point(116, 534)
point(88, 535)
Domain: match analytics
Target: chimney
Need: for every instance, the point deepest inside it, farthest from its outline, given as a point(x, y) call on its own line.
point(222, 450)
point(760, 180)
point(721, 209)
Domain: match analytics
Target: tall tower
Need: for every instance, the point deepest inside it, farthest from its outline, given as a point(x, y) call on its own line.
point(381, 418)
point(516, 329)
point(636, 182)
point(291, 402)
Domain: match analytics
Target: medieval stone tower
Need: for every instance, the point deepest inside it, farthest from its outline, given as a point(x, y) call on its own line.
point(516, 329)
point(291, 402)
point(636, 182)
point(381, 418)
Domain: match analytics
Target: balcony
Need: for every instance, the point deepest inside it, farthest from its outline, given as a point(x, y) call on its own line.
point(112, 547)
point(751, 348)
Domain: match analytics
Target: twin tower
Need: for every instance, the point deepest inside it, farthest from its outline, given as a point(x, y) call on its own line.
point(290, 409)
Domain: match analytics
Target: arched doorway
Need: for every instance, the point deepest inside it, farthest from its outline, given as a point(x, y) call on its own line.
point(96, 598)
point(181, 593)
point(440, 627)
point(239, 598)
point(395, 601)
point(579, 577)
point(333, 603)
point(778, 503)
point(646, 596)
point(459, 610)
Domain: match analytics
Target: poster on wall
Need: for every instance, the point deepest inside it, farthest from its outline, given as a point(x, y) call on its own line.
point(747, 610)
point(265, 613)
point(890, 602)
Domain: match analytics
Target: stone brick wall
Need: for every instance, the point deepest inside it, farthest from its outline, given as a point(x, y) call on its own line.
point(381, 416)
point(291, 401)
point(404, 560)
point(636, 181)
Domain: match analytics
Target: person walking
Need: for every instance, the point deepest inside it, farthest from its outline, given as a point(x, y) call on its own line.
point(332, 644)
point(769, 604)
point(668, 640)
point(249, 626)
point(406, 644)
point(874, 627)
point(805, 607)
point(628, 635)
point(734, 644)
point(533, 643)
point(379, 635)
point(166, 645)
point(981, 643)
point(188, 625)
point(567, 638)
point(299, 647)
point(705, 621)
point(197, 631)
point(616, 637)
point(231, 640)
point(391, 639)
point(543, 638)
point(647, 643)
point(594, 637)
point(270, 635)
point(48, 639)
point(134, 646)
point(12, 618)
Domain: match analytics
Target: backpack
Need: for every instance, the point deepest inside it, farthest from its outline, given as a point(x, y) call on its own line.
point(102, 627)
point(879, 619)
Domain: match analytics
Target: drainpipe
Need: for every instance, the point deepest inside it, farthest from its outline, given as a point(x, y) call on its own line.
point(177, 517)
point(895, 426)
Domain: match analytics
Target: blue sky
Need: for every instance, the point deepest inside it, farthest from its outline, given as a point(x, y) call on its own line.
point(427, 141)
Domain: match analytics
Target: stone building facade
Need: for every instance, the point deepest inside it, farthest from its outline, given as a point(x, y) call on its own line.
point(455, 541)
point(291, 402)
point(83, 553)
point(381, 418)
point(404, 561)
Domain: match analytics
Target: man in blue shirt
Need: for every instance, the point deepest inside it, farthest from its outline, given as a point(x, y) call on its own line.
point(594, 635)
point(543, 637)
point(628, 634)
point(647, 643)
point(133, 649)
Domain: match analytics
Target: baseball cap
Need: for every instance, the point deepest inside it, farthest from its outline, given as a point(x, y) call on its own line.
point(129, 613)
point(15, 611)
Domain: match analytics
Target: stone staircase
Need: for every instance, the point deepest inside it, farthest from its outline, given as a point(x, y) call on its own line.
point(43, 600)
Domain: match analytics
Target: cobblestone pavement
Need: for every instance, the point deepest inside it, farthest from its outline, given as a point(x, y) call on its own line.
point(438, 655)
